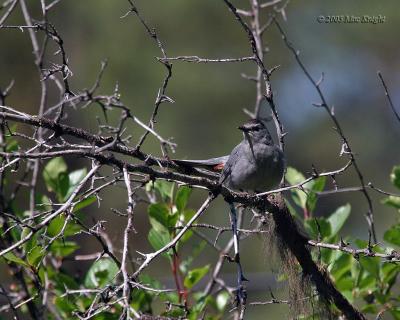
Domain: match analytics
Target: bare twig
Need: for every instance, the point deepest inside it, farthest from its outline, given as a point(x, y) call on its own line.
point(345, 143)
point(389, 99)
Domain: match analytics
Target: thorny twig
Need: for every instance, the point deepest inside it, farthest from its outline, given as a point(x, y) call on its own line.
point(346, 149)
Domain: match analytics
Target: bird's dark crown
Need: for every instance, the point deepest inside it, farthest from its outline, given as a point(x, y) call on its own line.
point(252, 125)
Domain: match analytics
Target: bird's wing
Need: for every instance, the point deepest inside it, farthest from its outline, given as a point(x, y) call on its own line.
point(214, 164)
point(230, 163)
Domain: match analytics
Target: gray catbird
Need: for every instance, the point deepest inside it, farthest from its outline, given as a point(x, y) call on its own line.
point(256, 164)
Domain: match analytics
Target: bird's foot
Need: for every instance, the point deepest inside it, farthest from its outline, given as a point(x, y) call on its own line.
point(241, 296)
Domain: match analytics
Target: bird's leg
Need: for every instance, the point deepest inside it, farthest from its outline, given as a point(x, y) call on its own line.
point(241, 294)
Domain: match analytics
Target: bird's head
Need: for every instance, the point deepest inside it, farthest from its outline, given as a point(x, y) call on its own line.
point(255, 130)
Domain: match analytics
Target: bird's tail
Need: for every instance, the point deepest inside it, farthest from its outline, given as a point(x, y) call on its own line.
point(213, 164)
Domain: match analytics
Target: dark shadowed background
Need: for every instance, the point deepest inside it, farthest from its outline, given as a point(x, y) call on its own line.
point(209, 99)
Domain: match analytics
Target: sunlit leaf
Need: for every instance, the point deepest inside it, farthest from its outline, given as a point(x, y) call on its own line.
point(62, 186)
point(159, 216)
point(340, 265)
point(395, 176)
point(367, 282)
point(51, 172)
point(13, 258)
point(345, 284)
point(318, 227)
point(35, 255)
point(294, 177)
point(395, 312)
point(371, 265)
point(56, 225)
point(12, 145)
point(195, 275)
point(392, 235)
point(389, 272)
point(338, 218)
point(43, 203)
point(222, 300)
point(164, 188)
point(65, 306)
point(62, 281)
point(63, 248)
point(314, 186)
point(392, 201)
point(84, 203)
point(101, 273)
point(182, 197)
point(75, 177)
point(158, 239)
point(370, 308)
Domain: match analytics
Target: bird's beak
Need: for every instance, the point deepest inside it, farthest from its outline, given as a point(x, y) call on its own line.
point(243, 128)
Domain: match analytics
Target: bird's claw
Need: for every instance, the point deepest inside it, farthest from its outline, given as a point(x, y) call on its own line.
point(241, 296)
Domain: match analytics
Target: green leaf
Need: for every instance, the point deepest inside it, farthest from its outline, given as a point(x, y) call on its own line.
point(222, 300)
point(367, 283)
point(43, 202)
point(345, 284)
point(361, 243)
point(294, 177)
point(56, 226)
point(60, 279)
point(342, 263)
point(12, 145)
point(62, 186)
point(35, 255)
point(158, 239)
point(164, 188)
point(32, 242)
point(101, 273)
point(392, 201)
point(106, 315)
point(389, 272)
point(13, 258)
point(75, 177)
point(292, 209)
point(371, 264)
point(141, 300)
point(395, 312)
point(65, 306)
point(338, 218)
point(318, 227)
point(63, 248)
point(187, 215)
point(84, 203)
point(348, 295)
point(395, 176)
point(159, 216)
point(393, 235)
point(201, 302)
point(51, 172)
point(195, 276)
point(370, 308)
point(182, 197)
point(179, 313)
point(314, 186)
